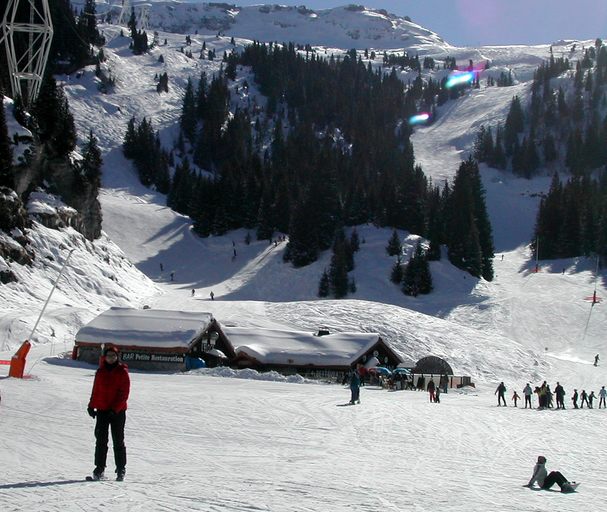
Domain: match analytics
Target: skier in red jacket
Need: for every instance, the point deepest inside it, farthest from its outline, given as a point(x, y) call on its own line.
point(108, 404)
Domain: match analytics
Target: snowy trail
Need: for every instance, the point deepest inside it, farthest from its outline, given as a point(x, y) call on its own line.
point(206, 443)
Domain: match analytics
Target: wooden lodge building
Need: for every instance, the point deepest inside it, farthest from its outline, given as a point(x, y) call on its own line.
point(152, 339)
point(312, 355)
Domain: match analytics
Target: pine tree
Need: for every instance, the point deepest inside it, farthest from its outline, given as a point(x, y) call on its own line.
point(67, 45)
point(201, 96)
point(550, 151)
point(188, 113)
point(394, 247)
point(417, 278)
point(303, 245)
point(483, 145)
point(91, 161)
point(87, 24)
point(338, 270)
point(548, 224)
point(130, 140)
point(498, 158)
point(470, 240)
point(515, 123)
point(54, 119)
point(396, 274)
point(354, 241)
point(324, 287)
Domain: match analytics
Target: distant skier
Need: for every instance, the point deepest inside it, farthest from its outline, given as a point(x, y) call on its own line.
point(574, 399)
point(515, 398)
point(437, 395)
point(161, 267)
point(500, 392)
point(545, 480)
point(591, 398)
point(584, 397)
point(354, 387)
point(108, 405)
point(602, 395)
point(362, 374)
point(212, 295)
point(560, 396)
point(542, 396)
point(431, 390)
point(596, 360)
point(193, 292)
point(527, 391)
point(549, 396)
point(444, 383)
point(421, 383)
point(172, 276)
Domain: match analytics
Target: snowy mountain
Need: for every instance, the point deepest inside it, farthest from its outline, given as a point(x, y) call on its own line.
point(351, 26)
point(149, 233)
point(206, 441)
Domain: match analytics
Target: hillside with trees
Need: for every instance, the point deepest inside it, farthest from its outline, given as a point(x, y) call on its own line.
point(331, 148)
point(51, 162)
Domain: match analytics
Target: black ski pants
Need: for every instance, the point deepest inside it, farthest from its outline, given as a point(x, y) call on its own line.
point(554, 477)
point(105, 421)
point(528, 401)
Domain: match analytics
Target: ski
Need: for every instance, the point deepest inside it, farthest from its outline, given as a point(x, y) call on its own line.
point(90, 478)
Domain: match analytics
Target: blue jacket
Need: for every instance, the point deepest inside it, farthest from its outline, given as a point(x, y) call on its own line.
point(354, 380)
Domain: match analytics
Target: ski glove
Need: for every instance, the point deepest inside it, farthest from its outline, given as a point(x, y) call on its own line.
point(91, 411)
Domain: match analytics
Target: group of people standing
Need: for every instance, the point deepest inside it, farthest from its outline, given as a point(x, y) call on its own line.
point(546, 397)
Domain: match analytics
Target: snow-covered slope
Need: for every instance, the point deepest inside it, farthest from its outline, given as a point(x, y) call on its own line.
point(204, 441)
point(352, 26)
point(473, 313)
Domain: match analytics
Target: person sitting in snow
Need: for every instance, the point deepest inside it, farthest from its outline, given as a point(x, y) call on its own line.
point(545, 480)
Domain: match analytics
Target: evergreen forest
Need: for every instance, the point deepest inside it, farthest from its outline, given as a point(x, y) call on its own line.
point(330, 148)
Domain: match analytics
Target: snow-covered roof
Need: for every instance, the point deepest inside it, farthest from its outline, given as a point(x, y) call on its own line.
point(145, 328)
point(270, 346)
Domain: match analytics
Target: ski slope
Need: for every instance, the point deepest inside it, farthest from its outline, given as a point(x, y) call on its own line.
point(205, 443)
point(218, 440)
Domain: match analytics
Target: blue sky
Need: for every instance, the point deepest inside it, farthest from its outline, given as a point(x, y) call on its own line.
point(482, 22)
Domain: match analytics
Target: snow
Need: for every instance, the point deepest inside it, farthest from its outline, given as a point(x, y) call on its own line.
point(273, 346)
point(145, 328)
point(40, 203)
point(232, 440)
point(340, 27)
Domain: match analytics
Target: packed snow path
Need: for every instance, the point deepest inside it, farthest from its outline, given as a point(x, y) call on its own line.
point(197, 442)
